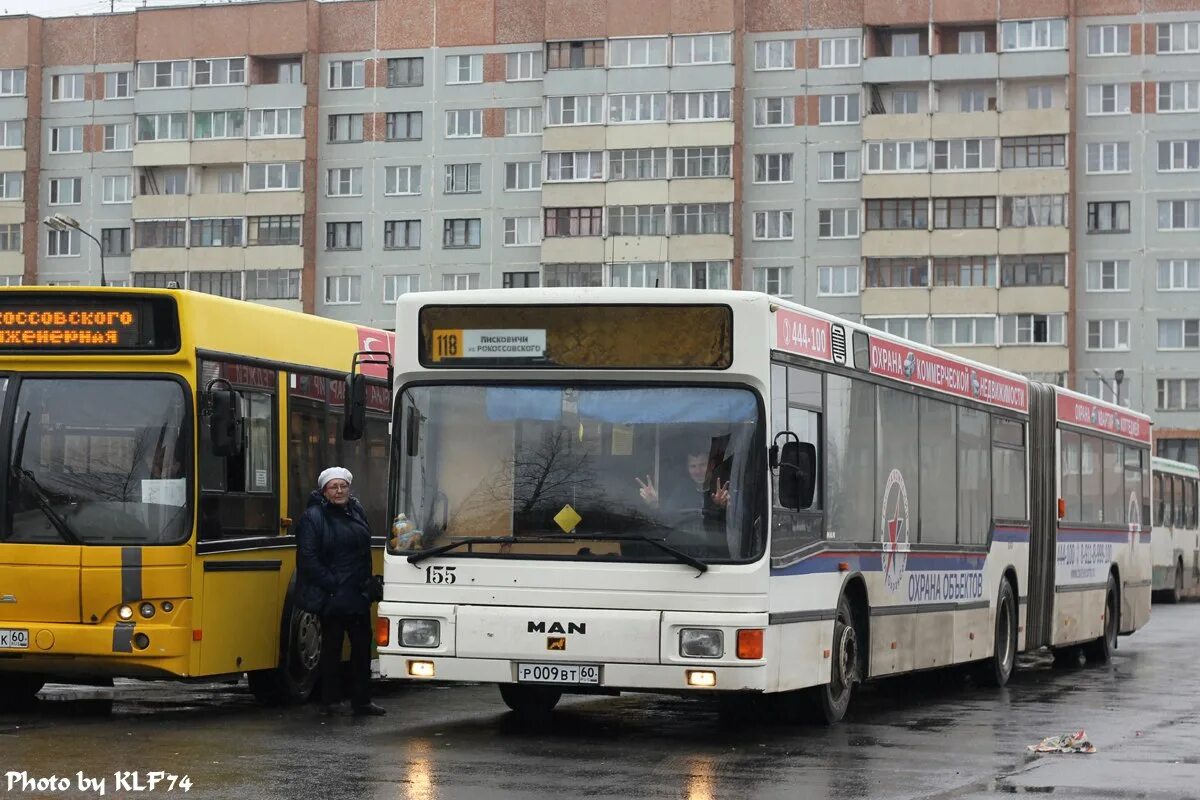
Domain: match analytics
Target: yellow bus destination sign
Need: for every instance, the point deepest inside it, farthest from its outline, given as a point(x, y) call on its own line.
point(85, 323)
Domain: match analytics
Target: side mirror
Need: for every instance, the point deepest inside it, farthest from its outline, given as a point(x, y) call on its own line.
point(355, 410)
point(225, 425)
point(797, 475)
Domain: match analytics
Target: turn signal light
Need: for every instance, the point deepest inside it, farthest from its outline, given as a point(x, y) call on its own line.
point(383, 631)
point(420, 669)
point(750, 643)
point(1062, 508)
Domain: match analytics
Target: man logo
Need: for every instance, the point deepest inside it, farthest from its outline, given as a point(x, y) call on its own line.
point(556, 643)
point(7, 598)
point(556, 627)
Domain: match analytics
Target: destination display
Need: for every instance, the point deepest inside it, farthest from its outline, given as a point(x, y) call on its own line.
point(71, 322)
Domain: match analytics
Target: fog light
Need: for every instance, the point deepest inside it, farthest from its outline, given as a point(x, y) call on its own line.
point(420, 633)
point(383, 631)
point(141, 641)
point(703, 678)
point(167, 606)
point(125, 612)
point(701, 643)
point(420, 669)
point(750, 643)
point(146, 610)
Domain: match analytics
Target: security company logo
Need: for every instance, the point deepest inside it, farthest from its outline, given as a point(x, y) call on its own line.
point(910, 364)
point(1134, 515)
point(975, 385)
point(894, 521)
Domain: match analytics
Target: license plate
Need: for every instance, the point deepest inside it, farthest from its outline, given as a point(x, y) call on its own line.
point(558, 673)
point(14, 639)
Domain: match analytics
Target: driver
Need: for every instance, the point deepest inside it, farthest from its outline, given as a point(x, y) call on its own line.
point(699, 495)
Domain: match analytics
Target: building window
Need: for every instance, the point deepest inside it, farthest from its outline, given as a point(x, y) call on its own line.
point(1108, 276)
point(840, 52)
point(343, 236)
point(964, 212)
point(460, 281)
point(905, 101)
point(1108, 40)
point(1033, 151)
point(963, 155)
point(1033, 270)
point(220, 71)
point(222, 284)
point(118, 136)
point(522, 232)
point(66, 140)
point(706, 162)
point(464, 123)
point(647, 52)
point(458, 233)
point(343, 290)
point(526, 66)
point(66, 87)
point(575, 110)
point(464, 69)
point(773, 225)
point(117, 85)
point(897, 273)
point(964, 331)
point(837, 223)
point(1178, 394)
point(1178, 96)
point(1178, 215)
point(838, 165)
point(574, 222)
point(650, 107)
point(774, 111)
point(898, 156)
point(1179, 334)
point(524, 121)
point(219, 124)
point(115, 242)
point(403, 126)
point(575, 55)
point(838, 109)
point(700, 218)
point(972, 42)
point(1036, 34)
point(642, 164)
point(345, 182)
point(1186, 450)
point(346, 74)
point(699, 106)
point(1179, 155)
point(12, 185)
point(403, 72)
point(520, 280)
point(1110, 157)
point(700, 274)
point(402, 234)
point(66, 191)
point(276, 122)
point(283, 71)
point(1178, 37)
point(161, 127)
point(160, 233)
point(117, 189)
point(216, 232)
point(62, 243)
point(1108, 334)
point(12, 82)
point(400, 180)
point(637, 274)
point(228, 180)
point(579, 166)
point(1035, 211)
point(163, 74)
point(345, 128)
point(523, 176)
point(273, 230)
point(709, 48)
point(1107, 98)
point(1032, 328)
point(974, 100)
point(902, 44)
point(12, 134)
point(774, 54)
point(1179, 275)
point(964, 271)
point(577, 275)
point(773, 168)
point(837, 281)
point(637, 220)
point(396, 285)
point(273, 177)
point(10, 237)
point(160, 280)
point(898, 214)
point(775, 281)
point(1108, 217)
point(1039, 98)
point(914, 329)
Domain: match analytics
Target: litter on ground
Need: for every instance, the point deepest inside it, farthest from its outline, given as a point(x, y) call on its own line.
point(1066, 743)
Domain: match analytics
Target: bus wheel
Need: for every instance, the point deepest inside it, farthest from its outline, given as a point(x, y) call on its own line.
point(996, 670)
point(1101, 650)
point(1176, 593)
point(830, 701)
point(529, 703)
point(18, 690)
point(292, 681)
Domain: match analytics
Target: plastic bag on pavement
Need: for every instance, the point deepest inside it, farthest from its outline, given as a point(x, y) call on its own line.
point(1066, 743)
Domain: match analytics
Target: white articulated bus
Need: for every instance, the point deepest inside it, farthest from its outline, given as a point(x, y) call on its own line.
point(725, 492)
point(1176, 534)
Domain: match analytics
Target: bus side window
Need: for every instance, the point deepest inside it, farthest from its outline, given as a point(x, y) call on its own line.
point(1070, 475)
point(1159, 499)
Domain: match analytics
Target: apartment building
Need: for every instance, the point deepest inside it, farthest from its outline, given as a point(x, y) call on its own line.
point(1010, 179)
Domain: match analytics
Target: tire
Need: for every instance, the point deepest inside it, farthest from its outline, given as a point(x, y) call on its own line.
point(829, 702)
point(291, 682)
point(1101, 650)
point(529, 703)
point(1175, 593)
point(18, 690)
point(996, 670)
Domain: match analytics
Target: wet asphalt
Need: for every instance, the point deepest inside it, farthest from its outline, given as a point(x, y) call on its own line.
point(933, 736)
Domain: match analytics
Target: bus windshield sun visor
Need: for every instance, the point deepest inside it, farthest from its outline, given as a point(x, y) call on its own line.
point(622, 406)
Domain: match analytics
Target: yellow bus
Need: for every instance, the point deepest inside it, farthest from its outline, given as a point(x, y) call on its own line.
point(159, 445)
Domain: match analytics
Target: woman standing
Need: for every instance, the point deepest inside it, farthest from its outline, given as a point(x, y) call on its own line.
point(333, 561)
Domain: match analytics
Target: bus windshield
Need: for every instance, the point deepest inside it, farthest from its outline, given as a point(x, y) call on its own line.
point(680, 464)
point(98, 461)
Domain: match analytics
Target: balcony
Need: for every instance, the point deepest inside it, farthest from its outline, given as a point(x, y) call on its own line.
point(566, 195)
point(886, 244)
point(898, 127)
point(700, 190)
point(896, 69)
point(896, 302)
point(962, 300)
point(962, 241)
point(1051, 180)
point(914, 184)
point(964, 184)
point(572, 250)
point(635, 248)
point(1035, 123)
point(636, 193)
point(1034, 358)
point(620, 137)
point(964, 125)
point(161, 206)
point(1034, 63)
point(965, 67)
point(1034, 300)
point(701, 247)
point(1018, 241)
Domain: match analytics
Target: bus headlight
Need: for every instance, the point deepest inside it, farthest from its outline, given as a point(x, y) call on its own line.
point(420, 633)
point(125, 613)
point(701, 643)
point(146, 610)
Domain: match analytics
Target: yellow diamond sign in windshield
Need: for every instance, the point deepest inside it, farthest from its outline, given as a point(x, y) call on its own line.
point(568, 518)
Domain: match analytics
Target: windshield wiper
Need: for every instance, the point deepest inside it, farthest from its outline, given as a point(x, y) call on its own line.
point(693, 562)
point(25, 478)
point(421, 555)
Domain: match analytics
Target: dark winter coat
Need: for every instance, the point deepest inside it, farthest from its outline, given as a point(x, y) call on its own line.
point(333, 558)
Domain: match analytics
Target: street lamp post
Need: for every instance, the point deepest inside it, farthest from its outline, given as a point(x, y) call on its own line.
point(1115, 386)
point(61, 222)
